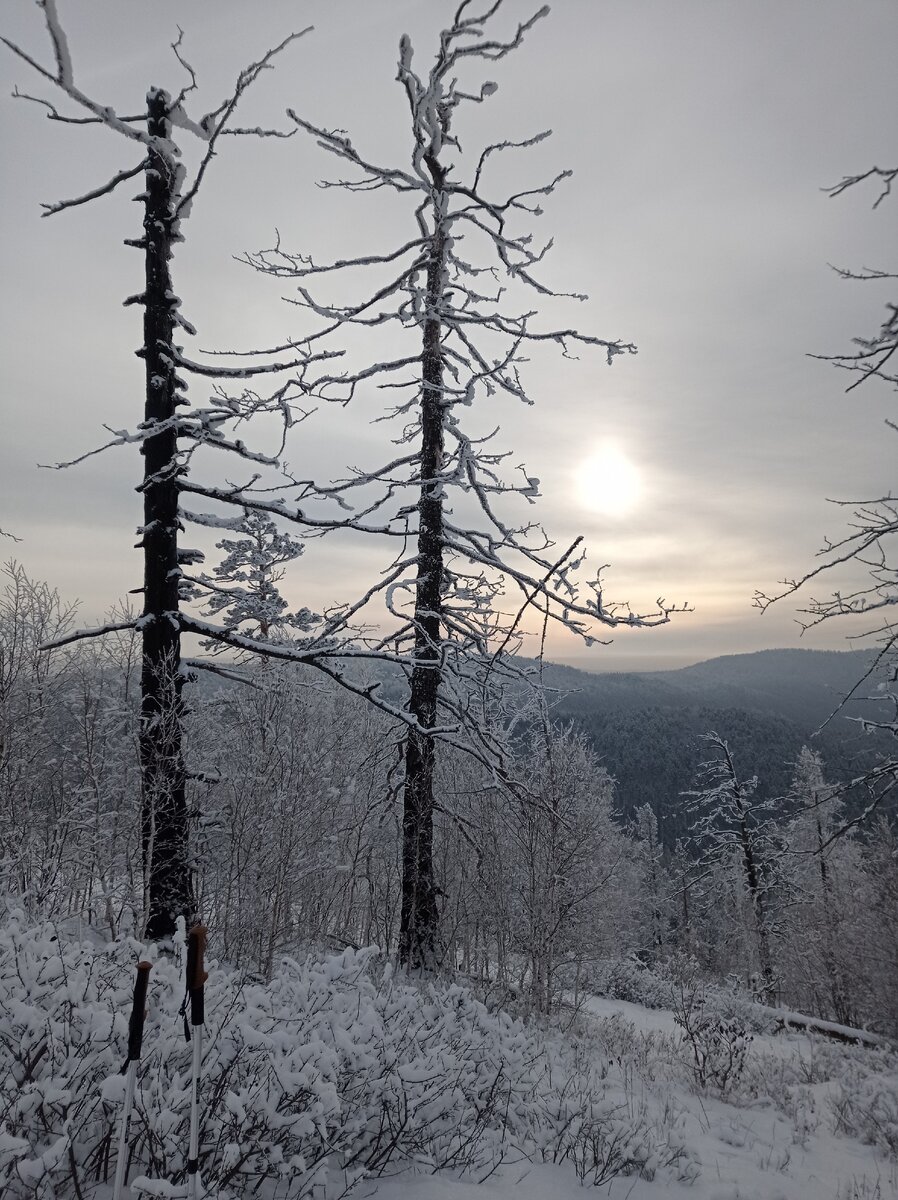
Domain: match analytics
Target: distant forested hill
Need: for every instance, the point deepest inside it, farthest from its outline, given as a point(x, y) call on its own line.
point(647, 727)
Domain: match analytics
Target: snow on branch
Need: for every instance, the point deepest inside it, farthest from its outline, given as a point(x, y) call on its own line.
point(327, 659)
point(283, 265)
point(342, 147)
point(213, 124)
point(60, 45)
point(79, 635)
point(104, 114)
point(53, 113)
point(103, 190)
point(207, 129)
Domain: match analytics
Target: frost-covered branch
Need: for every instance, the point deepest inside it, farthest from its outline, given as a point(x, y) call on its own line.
point(868, 545)
point(103, 190)
point(79, 635)
point(208, 128)
point(213, 124)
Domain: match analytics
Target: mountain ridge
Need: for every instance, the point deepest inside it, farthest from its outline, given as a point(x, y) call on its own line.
point(647, 726)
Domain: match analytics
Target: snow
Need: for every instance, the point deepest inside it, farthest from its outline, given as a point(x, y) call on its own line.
point(745, 1154)
point(747, 1150)
point(642, 1019)
point(844, 1032)
point(482, 1106)
point(525, 1182)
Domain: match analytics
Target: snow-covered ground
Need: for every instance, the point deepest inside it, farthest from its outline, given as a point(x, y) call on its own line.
point(340, 1078)
point(746, 1149)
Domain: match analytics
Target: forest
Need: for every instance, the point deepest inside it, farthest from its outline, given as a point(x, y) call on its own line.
point(442, 917)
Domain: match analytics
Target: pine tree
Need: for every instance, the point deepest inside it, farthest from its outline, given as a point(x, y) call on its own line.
point(244, 585)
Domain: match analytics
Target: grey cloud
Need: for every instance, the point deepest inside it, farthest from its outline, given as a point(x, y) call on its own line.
point(700, 136)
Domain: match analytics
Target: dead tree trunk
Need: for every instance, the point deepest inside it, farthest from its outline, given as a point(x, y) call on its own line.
point(163, 809)
point(418, 919)
point(759, 910)
point(841, 1004)
point(163, 802)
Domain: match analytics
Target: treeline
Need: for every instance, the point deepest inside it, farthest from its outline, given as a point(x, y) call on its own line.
point(294, 796)
point(648, 728)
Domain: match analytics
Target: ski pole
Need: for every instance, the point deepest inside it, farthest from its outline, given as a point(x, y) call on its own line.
point(129, 1070)
point(196, 978)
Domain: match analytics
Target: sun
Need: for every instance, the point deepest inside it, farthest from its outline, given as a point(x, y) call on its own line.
point(609, 482)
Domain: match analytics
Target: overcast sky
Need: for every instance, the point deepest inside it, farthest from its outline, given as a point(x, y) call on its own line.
point(701, 134)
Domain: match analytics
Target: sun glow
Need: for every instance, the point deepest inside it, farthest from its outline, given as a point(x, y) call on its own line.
point(609, 482)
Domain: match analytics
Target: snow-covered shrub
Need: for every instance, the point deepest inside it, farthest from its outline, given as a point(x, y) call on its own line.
point(716, 1046)
point(719, 1050)
point(860, 1188)
point(824, 1060)
point(865, 1105)
point(801, 1109)
point(658, 987)
point(603, 1130)
point(783, 1081)
point(334, 1071)
point(650, 1052)
point(737, 1006)
point(629, 979)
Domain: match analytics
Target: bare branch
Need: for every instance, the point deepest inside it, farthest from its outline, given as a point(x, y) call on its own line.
point(81, 634)
point(887, 175)
point(215, 123)
point(104, 190)
point(53, 114)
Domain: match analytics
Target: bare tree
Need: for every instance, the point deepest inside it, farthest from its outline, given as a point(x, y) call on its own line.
point(449, 289)
point(657, 892)
point(441, 590)
point(730, 822)
point(816, 815)
point(873, 357)
point(867, 609)
point(31, 693)
point(161, 435)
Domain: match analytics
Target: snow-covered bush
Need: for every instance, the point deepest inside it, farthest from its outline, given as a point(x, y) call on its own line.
point(629, 979)
point(863, 1188)
point(865, 1104)
point(652, 1053)
point(334, 1071)
point(601, 1124)
point(733, 1004)
point(658, 987)
point(787, 1082)
point(716, 1046)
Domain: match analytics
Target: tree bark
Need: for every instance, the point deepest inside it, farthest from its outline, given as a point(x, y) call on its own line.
point(759, 910)
point(418, 918)
point(841, 1006)
point(163, 802)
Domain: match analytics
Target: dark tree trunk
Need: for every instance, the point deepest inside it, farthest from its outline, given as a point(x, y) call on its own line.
point(759, 908)
point(163, 803)
point(841, 1007)
point(418, 919)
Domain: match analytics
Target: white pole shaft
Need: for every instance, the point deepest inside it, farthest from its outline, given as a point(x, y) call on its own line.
point(121, 1161)
point(193, 1151)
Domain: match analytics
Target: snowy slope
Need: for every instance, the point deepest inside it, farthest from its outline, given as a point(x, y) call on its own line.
point(748, 1149)
point(342, 1078)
